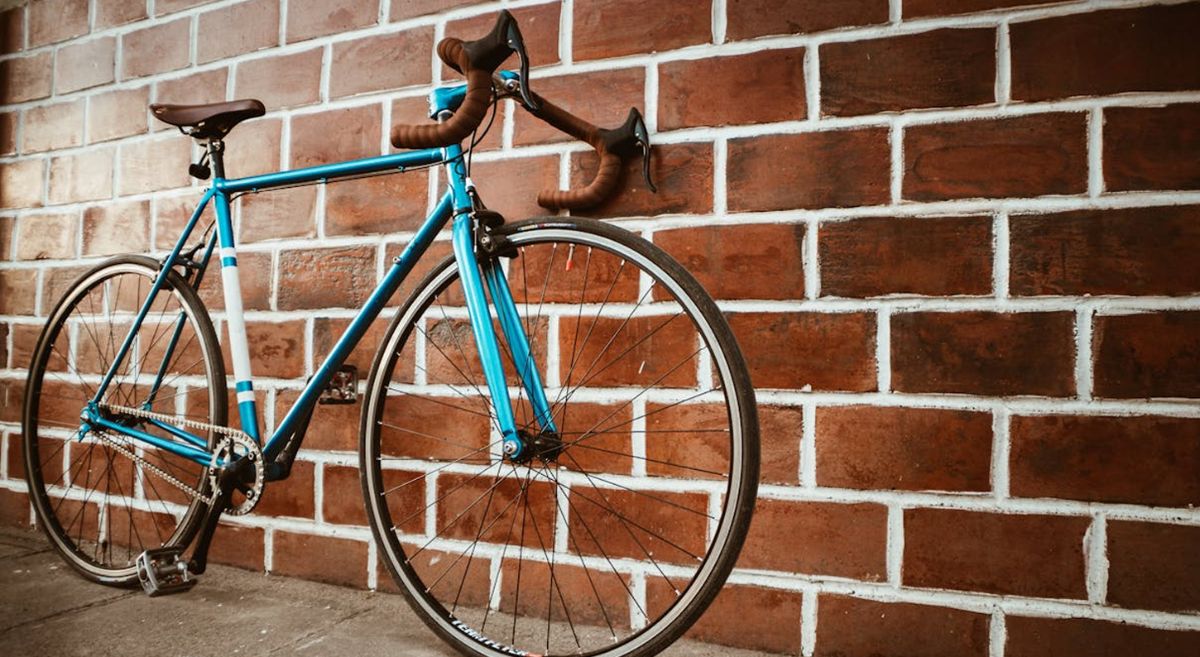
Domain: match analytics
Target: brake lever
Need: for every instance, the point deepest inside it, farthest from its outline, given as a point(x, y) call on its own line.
point(632, 134)
point(517, 44)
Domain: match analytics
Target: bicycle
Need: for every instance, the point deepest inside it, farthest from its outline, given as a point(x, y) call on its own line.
point(626, 441)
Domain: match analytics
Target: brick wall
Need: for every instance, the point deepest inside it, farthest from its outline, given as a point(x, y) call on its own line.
point(958, 239)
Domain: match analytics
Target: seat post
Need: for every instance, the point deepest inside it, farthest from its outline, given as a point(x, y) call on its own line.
point(216, 155)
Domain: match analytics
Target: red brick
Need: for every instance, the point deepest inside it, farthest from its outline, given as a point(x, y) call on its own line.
point(7, 231)
point(1106, 52)
point(1133, 251)
point(148, 166)
point(8, 133)
point(86, 176)
point(193, 89)
point(47, 236)
point(254, 149)
point(56, 20)
point(627, 27)
point(238, 29)
point(755, 261)
point(1029, 555)
point(642, 351)
point(999, 158)
point(1080, 637)
point(276, 349)
point(110, 13)
point(1152, 147)
point(292, 497)
point(539, 28)
point(116, 228)
point(18, 292)
point(344, 503)
point(4, 350)
point(239, 546)
point(754, 18)
point(768, 86)
point(358, 131)
point(683, 174)
point(384, 204)
point(85, 64)
point(254, 271)
point(414, 110)
point(26, 78)
point(53, 126)
point(14, 508)
point(840, 540)
point(412, 8)
point(1153, 566)
point(117, 113)
point(445, 432)
point(283, 80)
point(827, 351)
point(511, 186)
point(773, 627)
point(12, 30)
point(171, 216)
point(332, 427)
point(874, 448)
point(321, 558)
point(326, 278)
point(278, 213)
point(934, 256)
point(57, 280)
point(327, 331)
point(21, 183)
point(851, 627)
point(670, 530)
point(162, 7)
point(843, 168)
point(313, 18)
point(623, 88)
point(941, 68)
point(382, 62)
point(437, 252)
point(156, 49)
point(1147, 355)
point(923, 8)
point(1124, 460)
point(984, 353)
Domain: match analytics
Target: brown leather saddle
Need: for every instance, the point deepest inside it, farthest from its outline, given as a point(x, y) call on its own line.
point(211, 121)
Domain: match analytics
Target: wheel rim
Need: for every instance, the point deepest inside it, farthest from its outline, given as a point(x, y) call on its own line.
point(100, 507)
point(660, 569)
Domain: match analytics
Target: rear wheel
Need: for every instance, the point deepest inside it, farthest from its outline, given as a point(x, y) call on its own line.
point(103, 498)
point(608, 537)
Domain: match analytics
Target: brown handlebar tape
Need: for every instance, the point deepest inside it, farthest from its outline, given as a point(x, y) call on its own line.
point(469, 115)
point(605, 183)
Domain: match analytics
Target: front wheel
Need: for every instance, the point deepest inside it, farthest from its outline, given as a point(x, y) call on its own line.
point(612, 534)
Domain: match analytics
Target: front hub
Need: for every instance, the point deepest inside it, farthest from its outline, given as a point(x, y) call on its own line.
point(544, 446)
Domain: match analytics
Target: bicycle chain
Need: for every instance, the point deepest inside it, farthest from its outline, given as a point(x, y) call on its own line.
point(111, 441)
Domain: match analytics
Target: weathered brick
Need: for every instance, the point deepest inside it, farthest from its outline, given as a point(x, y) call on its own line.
point(377, 63)
point(1153, 566)
point(51, 21)
point(824, 351)
point(14, 508)
point(122, 227)
point(313, 18)
point(412, 8)
point(510, 187)
point(1023, 156)
point(1147, 355)
point(984, 353)
point(842, 540)
point(171, 215)
point(193, 89)
point(8, 227)
point(876, 448)
point(358, 135)
point(21, 183)
point(283, 80)
point(773, 627)
point(842, 168)
point(747, 19)
point(110, 13)
point(53, 126)
point(1123, 460)
point(85, 64)
point(85, 176)
point(941, 68)
point(156, 49)
point(238, 29)
point(1152, 147)
point(879, 256)
point(626, 27)
point(683, 174)
point(383, 204)
point(851, 627)
point(539, 28)
point(238, 546)
point(623, 88)
point(768, 86)
point(292, 497)
point(326, 278)
point(754, 261)
point(151, 165)
point(1127, 251)
point(47, 236)
point(276, 349)
point(8, 133)
point(117, 113)
point(26, 78)
point(254, 148)
point(1080, 637)
point(1106, 52)
point(1030, 555)
point(18, 296)
point(56, 281)
point(321, 558)
point(277, 214)
point(344, 503)
point(162, 7)
point(923, 8)
point(254, 269)
point(12, 30)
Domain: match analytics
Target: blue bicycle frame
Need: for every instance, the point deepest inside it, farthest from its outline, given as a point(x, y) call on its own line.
point(475, 274)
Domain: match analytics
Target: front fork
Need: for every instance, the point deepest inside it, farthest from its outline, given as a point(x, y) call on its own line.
point(473, 281)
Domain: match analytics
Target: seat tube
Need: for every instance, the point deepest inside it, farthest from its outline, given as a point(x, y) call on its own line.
point(235, 320)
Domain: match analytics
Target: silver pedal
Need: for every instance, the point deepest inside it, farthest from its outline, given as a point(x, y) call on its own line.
point(163, 571)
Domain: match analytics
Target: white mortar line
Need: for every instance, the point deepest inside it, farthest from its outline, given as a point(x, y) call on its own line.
point(1003, 65)
point(1095, 155)
point(1095, 549)
point(997, 634)
point(895, 545)
point(808, 621)
point(1083, 352)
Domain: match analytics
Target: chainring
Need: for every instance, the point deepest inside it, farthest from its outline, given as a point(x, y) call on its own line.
point(230, 448)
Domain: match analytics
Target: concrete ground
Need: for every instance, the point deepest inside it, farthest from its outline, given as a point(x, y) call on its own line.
point(46, 609)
